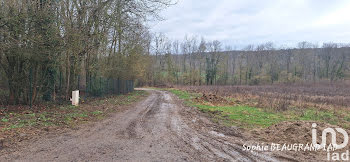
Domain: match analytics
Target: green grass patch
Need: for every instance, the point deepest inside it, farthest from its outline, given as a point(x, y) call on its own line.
point(181, 94)
point(186, 96)
point(244, 116)
point(4, 120)
point(96, 112)
point(14, 126)
point(77, 115)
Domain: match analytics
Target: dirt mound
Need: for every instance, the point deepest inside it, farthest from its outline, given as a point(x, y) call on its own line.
point(299, 132)
point(287, 132)
point(213, 99)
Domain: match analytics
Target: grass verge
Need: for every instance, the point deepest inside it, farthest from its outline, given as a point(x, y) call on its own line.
point(252, 117)
point(30, 122)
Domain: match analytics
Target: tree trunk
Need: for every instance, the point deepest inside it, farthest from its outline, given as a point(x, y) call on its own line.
point(68, 77)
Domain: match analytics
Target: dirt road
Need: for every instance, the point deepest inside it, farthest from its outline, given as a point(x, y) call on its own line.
point(158, 128)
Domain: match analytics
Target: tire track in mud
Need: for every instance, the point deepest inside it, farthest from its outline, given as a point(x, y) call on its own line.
point(156, 129)
point(203, 142)
point(143, 118)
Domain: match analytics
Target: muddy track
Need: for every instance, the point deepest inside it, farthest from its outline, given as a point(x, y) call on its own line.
point(158, 128)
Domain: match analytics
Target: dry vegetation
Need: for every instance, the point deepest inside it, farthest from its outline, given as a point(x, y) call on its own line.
point(18, 123)
point(281, 97)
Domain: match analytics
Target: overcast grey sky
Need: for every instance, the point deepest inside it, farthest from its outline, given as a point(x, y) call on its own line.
point(242, 22)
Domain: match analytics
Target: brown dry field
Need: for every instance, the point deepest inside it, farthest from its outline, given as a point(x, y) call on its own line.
point(321, 95)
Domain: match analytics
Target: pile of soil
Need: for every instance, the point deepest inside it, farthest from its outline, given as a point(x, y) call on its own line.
point(213, 99)
point(296, 132)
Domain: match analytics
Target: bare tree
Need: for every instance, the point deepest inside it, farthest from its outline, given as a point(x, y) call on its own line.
point(201, 52)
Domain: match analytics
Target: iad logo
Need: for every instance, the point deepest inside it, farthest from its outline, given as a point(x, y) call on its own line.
point(333, 138)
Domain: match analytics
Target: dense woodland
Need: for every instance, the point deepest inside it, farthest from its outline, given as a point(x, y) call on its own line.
point(51, 42)
point(199, 62)
point(48, 47)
